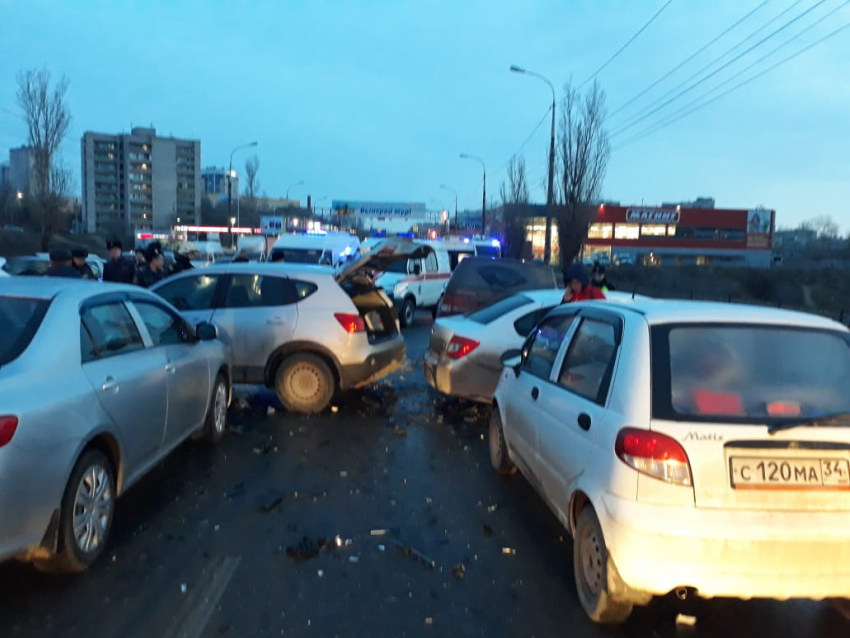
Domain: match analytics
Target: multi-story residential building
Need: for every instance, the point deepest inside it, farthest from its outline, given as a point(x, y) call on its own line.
point(21, 171)
point(215, 184)
point(139, 181)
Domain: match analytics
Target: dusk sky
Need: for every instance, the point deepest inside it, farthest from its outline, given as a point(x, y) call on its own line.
point(374, 100)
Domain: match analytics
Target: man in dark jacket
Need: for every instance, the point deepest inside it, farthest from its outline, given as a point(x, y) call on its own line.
point(183, 256)
point(118, 269)
point(578, 286)
point(155, 269)
point(60, 265)
point(78, 263)
point(600, 280)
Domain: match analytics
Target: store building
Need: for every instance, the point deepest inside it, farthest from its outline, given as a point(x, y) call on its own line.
point(388, 217)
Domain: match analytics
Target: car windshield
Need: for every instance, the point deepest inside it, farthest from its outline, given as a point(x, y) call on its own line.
point(745, 374)
point(19, 321)
point(499, 309)
point(298, 255)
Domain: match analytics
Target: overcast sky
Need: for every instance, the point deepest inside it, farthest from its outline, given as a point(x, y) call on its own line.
point(374, 100)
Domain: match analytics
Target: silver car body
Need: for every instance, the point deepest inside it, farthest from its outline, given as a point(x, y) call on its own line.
point(474, 376)
point(135, 405)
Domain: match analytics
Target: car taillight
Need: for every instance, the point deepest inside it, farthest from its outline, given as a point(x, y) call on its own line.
point(460, 347)
point(8, 425)
point(654, 454)
point(351, 323)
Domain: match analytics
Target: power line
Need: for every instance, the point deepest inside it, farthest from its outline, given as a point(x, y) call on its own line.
point(629, 125)
point(623, 48)
point(654, 128)
point(527, 140)
point(688, 59)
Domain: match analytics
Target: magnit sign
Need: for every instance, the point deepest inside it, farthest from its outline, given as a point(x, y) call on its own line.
point(653, 215)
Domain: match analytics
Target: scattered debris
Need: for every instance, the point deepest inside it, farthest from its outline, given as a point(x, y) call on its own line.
point(381, 548)
point(184, 588)
point(399, 431)
point(469, 419)
point(353, 559)
point(270, 501)
point(343, 474)
point(459, 571)
point(488, 531)
point(429, 621)
point(334, 409)
point(428, 500)
point(320, 573)
point(379, 532)
point(683, 620)
point(264, 448)
point(270, 410)
point(415, 554)
point(492, 508)
point(242, 403)
point(508, 550)
point(306, 549)
point(309, 496)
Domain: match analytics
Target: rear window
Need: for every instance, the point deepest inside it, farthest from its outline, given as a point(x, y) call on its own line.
point(499, 309)
point(749, 374)
point(19, 321)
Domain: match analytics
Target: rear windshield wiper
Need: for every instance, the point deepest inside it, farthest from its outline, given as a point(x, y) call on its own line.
point(824, 419)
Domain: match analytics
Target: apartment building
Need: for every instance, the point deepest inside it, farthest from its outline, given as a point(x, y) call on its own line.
point(139, 181)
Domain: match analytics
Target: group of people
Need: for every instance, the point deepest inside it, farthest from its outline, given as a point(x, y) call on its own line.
point(580, 287)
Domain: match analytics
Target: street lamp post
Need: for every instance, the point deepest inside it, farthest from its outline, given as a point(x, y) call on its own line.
point(550, 194)
point(449, 188)
point(298, 183)
point(230, 176)
point(483, 190)
point(20, 199)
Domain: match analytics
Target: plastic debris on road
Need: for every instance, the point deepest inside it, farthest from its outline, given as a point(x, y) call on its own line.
point(353, 559)
point(509, 550)
point(459, 571)
point(429, 621)
point(382, 548)
point(379, 532)
point(343, 474)
point(683, 620)
point(270, 410)
point(184, 588)
point(334, 409)
point(488, 531)
point(320, 573)
point(415, 554)
point(492, 508)
point(270, 501)
point(306, 549)
point(398, 431)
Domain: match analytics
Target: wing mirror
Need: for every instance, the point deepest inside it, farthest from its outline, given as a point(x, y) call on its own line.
point(512, 359)
point(206, 331)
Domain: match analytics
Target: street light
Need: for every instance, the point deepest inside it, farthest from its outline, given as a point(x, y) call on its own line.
point(550, 194)
point(298, 183)
point(483, 190)
point(231, 174)
point(449, 188)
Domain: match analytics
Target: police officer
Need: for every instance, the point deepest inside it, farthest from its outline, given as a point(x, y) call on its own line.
point(60, 265)
point(155, 269)
point(78, 263)
point(118, 269)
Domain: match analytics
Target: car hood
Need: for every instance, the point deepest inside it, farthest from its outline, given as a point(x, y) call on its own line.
point(380, 257)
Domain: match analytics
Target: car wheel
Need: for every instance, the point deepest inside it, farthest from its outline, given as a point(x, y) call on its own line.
point(216, 422)
point(408, 312)
point(593, 575)
point(88, 507)
point(499, 457)
point(304, 384)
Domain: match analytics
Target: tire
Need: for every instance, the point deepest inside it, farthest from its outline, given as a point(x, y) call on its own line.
point(215, 423)
point(304, 384)
point(499, 457)
point(79, 550)
point(593, 573)
point(407, 313)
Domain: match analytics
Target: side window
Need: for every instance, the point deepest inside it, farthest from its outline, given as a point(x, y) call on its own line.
point(87, 349)
point(112, 331)
point(525, 324)
point(258, 291)
point(303, 289)
point(544, 344)
point(412, 265)
point(589, 361)
point(431, 263)
point(164, 328)
point(190, 293)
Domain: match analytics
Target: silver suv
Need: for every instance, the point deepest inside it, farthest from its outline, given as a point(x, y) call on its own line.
point(300, 329)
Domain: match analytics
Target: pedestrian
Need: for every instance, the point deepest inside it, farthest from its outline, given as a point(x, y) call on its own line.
point(118, 269)
point(78, 262)
point(578, 286)
point(600, 280)
point(60, 265)
point(140, 260)
point(183, 256)
point(154, 271)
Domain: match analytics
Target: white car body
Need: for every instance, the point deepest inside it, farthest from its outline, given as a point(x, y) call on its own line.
point(3, 273)
point(417, 283)
point(707, 527)
point(323, 248)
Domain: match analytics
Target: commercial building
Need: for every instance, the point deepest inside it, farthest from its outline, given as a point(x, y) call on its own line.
point(139, 181)
point(215, 184)
point(389, 217)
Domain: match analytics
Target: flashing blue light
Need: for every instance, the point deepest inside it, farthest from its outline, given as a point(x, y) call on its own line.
point(345, 252)
point(495, 242)
point(379, 233)
point(466, 241)
point(407, 235)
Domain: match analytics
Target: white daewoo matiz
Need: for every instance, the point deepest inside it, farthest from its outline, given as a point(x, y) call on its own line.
point(687, 446)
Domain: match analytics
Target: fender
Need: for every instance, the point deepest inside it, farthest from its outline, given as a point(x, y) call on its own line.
point(298, 346)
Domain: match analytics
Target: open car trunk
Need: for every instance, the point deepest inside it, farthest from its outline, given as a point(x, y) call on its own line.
point(376, 309)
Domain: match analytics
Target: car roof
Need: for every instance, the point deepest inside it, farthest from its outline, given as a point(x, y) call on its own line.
point(667, 311)
point(261, 267)
point(50, 287)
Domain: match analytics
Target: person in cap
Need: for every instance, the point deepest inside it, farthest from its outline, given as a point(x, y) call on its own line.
point(600, 280)
point(118, 269)
point(154, 271)
point(183, 256)
point(78, 262)
point(60, 265)
point(578, 286)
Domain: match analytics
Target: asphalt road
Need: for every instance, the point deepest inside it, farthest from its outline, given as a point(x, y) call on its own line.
point(271, 533)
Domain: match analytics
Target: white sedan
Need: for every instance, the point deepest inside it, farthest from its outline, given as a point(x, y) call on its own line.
point(687, 446)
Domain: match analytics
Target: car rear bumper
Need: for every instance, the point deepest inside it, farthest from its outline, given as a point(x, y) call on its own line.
point(460, 378)
point(737, 554)
point(382, 359)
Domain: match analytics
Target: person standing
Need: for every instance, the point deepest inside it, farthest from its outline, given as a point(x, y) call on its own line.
point(155, 269)
point(60, 265)
point(578, 286)
point(600, 280)
point(183, 256)
point(118, 269)
point(78, 262)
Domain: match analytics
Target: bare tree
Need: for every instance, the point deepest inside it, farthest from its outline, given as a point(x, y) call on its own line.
point(824, 226)
point(48, 119)
point(515, 198)
point(516, 190)
point(584, 152)
point(252, 167)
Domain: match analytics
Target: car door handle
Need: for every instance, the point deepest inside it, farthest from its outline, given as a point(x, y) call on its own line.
point(110, 385)
point(584, 421)
point(276, 321)
point(535, 392)
point(169, 367)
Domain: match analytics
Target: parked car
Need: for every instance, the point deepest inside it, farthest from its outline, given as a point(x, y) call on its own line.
point(97, 385)
point(417, 283)
point(464, 355)
point(38, 265)
point(317, 247)
point(479, 281)
point(686, 446)
point(300, 329)
point(3, 272)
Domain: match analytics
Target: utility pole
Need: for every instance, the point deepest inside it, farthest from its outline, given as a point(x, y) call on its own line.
point(483, 190)
point(230, 177)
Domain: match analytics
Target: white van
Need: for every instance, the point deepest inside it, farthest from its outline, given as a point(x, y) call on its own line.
point(255, 247)
point(318, 247)
point(417, 283)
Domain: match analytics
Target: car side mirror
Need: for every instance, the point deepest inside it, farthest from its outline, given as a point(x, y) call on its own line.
point(417, 269)
point(512, 359)
point(206, 331)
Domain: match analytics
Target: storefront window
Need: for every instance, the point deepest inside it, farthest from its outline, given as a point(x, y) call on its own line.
point(684, 232)
point(653, 230)
point(671, 231)
point(535, 233)
point(627, 231)
point(706, 233)
point(600, 231)
point(733, 234)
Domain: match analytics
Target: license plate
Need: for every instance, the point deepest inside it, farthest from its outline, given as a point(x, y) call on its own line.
point(759, 473)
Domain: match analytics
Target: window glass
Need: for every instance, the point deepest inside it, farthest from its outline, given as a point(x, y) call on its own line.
point(499, 309)
point(257, 291)
point(601, 231)
point(540, 354)
point(303, 289)
point(684, 232)
point(589, 360)
point(627, 231)
point(19, 321)
point(525, 324)
point(671, 231)
point(190, 293)
point(431, 263)
point(653, 230)
point(112, 331)
point(457, 256)
point(164, 328)
point(733, 234)
point(706, 233)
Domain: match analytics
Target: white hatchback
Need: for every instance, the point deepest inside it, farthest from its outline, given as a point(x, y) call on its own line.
point(691, 447)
